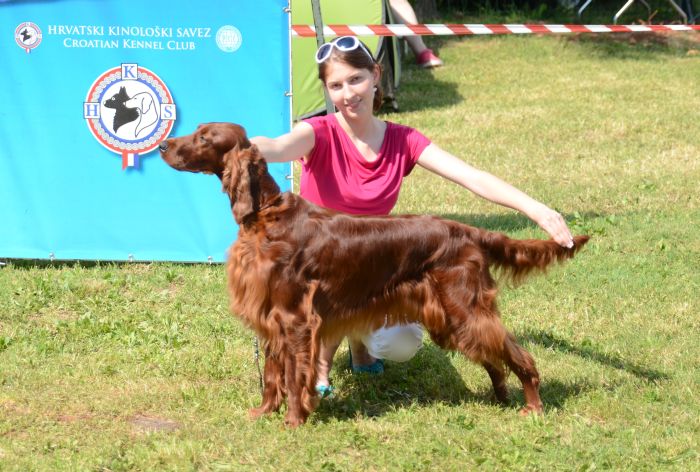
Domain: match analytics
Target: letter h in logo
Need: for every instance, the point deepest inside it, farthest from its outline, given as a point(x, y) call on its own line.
point(91, 110)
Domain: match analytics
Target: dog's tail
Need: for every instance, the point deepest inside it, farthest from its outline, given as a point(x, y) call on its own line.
point(518, 257)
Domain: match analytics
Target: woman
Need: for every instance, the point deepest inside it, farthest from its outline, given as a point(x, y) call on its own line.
point(355, 163)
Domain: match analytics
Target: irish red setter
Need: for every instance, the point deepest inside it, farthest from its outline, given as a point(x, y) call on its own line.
point(299, 274)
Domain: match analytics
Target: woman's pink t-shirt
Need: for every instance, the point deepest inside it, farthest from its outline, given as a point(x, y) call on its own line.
point(336, 176)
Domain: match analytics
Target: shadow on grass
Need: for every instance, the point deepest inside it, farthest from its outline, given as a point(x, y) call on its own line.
point(554, 393)
point(509, 222)
point(502, 222)
point(420, 90)
point(644, 45)
point(589, 352)
point(30, 264)
point(428, 378)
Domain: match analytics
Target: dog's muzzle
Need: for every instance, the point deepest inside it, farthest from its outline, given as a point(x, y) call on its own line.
point(163, 146)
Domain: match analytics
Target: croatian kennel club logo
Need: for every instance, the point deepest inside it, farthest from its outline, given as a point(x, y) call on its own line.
point(28, 36)
point(129, 110)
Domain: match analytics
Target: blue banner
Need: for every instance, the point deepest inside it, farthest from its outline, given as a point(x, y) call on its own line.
point(89, 89)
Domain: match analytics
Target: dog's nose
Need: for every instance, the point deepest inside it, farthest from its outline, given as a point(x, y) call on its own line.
point(163, 146)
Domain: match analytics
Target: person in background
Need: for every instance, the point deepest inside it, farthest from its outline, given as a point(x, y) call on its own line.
point(355, 163)
point(403, 11)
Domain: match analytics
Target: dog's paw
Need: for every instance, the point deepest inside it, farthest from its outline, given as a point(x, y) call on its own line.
point(255, 413)
point(293, 421)
point(501, 395)
point(532, 410)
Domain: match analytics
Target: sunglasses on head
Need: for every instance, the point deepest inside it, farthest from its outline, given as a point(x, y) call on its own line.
point(343, 43)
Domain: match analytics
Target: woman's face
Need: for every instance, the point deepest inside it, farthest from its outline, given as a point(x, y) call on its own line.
point(351, 90)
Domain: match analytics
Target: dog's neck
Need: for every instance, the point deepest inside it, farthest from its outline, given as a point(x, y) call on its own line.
point(273, 201)
point(266, 202)
point(269, 190)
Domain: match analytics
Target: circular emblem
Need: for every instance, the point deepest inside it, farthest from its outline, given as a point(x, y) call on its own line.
point(129, 110)
point(229, 38)
point(28, 36)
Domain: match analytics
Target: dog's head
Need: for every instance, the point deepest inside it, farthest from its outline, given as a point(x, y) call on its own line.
point(117, 100)
point(223, 149)
point(204, 150)
point(141, 101)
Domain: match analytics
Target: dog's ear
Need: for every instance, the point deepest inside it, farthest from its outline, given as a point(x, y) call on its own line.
point(229, 176)
point(268, 188)
point(145, 105)
point(246, 201)
point(240, 183)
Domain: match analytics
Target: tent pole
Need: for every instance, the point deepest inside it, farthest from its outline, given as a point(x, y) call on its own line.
point(318, 26)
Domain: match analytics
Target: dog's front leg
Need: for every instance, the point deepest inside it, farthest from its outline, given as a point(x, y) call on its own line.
point(301, 359)
point(295, 411)
point(273, 384)
point(300, 377)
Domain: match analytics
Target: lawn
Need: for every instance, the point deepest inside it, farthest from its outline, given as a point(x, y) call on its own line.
point(141, 366)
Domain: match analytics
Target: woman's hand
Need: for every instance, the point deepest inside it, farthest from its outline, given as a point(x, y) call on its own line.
point(553, 223)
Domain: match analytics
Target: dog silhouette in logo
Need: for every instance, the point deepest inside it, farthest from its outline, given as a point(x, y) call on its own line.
point(25, 35)
point(148, 111)
point(123, 113)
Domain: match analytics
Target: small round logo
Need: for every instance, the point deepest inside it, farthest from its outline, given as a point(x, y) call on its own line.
point(229, 38)
point(28, 36)
point(129, 110)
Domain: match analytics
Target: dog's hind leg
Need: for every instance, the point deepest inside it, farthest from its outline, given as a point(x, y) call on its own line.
point(472, 325)
point(523, 365)
point(480, 340)
point(498, 379)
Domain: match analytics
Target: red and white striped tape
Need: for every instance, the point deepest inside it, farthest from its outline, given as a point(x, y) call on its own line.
point(467, 29)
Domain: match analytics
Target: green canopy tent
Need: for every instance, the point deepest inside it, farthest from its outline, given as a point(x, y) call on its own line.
point(307, 92)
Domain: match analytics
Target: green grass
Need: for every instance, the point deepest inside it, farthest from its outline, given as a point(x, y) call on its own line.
point(141, 367)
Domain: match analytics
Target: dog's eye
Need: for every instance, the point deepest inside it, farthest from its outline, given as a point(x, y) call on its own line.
point(203, 140)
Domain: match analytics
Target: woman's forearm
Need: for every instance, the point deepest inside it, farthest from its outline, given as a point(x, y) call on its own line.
point(289, 147)
point(268, 148)
point(491, 188)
